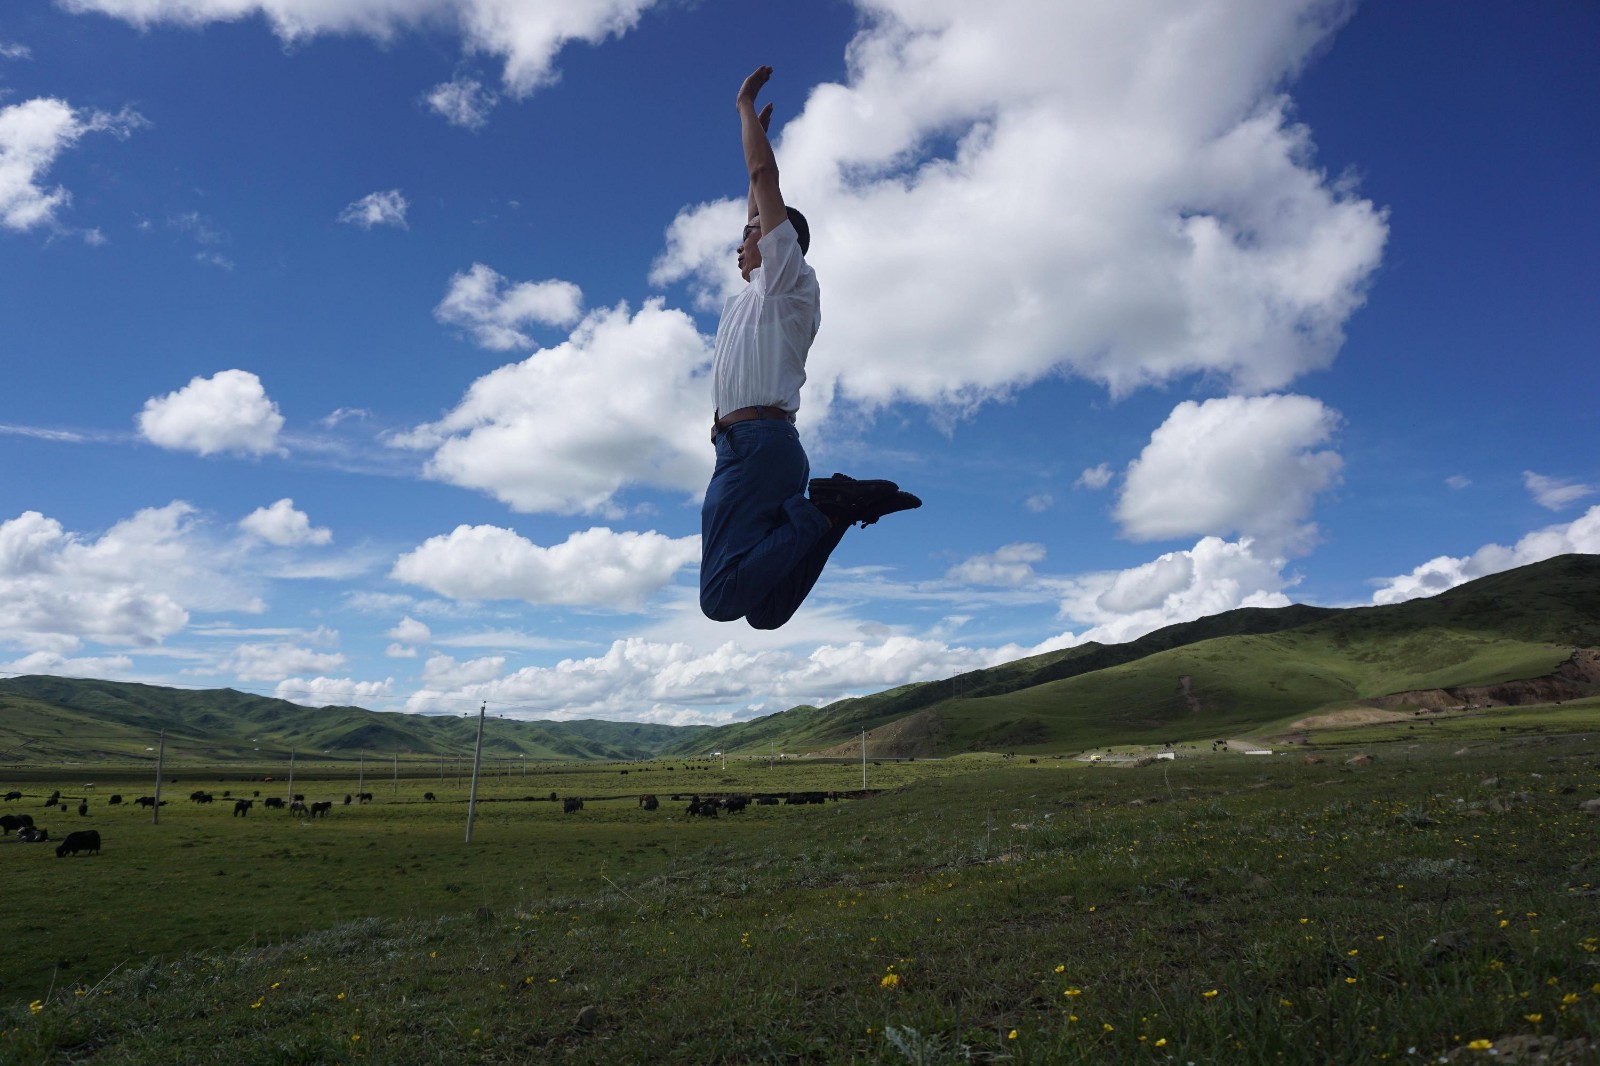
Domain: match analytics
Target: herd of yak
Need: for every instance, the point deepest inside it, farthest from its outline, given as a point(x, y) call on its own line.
point(87, 841)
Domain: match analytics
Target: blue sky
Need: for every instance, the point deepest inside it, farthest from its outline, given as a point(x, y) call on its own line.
point(356, 349)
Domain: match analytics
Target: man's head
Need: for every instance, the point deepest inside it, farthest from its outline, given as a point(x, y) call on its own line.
point(749, 253)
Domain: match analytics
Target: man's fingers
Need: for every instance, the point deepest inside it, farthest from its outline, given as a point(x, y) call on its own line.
point(766, 117)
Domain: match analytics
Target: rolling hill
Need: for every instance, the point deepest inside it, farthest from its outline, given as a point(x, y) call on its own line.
point(1237, 672)
point(44, 717)
point(1242, 672)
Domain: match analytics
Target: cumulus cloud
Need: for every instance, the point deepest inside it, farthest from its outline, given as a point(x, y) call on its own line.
point(1457, 482)
point(377, 209)
point(32, 135)
point(462, 102)
point(444, 673)
point(284, 526)
point(1116, 191)
point(623, 400)
point(526, 36)
point(1039, 502)
point(277, 660)
point(1215, 575)
point(1446, 572)
point(331, 691)
point(592, 568)
point(674, 683)
point(1554, 493)
point(1011, 565)
point(1095, 477)
point(1232, 465)
point(410, 631)
point(494, 313)
point(135, 584)
point(15, 51)
point(49, 662)
point(227, 412)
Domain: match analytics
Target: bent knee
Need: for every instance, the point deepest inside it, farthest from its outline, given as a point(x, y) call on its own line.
point(719, 611)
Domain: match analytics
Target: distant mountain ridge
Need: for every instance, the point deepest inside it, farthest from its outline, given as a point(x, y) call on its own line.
point(1239, 671)
point(42, 715)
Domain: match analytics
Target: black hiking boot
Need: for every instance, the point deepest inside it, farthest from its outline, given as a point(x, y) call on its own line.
point(847, 500)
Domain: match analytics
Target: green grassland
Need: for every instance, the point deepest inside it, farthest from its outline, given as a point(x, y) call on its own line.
point(1215, 908)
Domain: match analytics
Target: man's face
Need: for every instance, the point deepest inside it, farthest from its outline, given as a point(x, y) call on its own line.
point(749, 251)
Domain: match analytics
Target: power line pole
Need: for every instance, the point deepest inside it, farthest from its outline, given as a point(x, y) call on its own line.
point(863, 760)
point(361, 777)
point(477, 759)
point(155, 808)
point(397, 777)
point(291, 777)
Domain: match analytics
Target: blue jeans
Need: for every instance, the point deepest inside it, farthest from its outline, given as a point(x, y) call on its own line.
point(762, 543)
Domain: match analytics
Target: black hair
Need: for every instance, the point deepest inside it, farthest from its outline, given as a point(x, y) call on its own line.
point(802, 229)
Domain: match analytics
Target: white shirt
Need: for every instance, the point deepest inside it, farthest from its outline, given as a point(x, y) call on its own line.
point(767, 329)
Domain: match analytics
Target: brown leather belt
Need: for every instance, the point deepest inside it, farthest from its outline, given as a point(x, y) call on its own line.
point(746, 414)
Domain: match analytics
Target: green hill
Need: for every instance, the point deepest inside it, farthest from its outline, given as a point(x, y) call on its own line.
point(47, 718)
point(1229, 673)
point(1236, 673)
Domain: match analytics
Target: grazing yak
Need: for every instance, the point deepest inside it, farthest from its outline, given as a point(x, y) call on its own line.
point(297, 807)
point(13, 795)
point(273, 803)
point(649, 803)
point(115, 800)
point(427, 795)
point(8, 822)
point(705, 808)
point(570, 804)
point(83, 840)
point(148, 801)
point(320, 810)
point(241, 808)
point(30, 835)
point(83, 808)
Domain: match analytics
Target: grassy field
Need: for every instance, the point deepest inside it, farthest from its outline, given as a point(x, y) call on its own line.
point(1212, 909)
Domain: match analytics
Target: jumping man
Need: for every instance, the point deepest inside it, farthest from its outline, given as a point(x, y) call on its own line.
point(763, 541)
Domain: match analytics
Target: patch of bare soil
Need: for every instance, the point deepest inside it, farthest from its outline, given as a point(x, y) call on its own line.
point(1579, 676)
point(1348, 717)
point(913, 737)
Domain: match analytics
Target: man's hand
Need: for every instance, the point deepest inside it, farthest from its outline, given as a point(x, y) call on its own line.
point(752, 88)
point(766, 117)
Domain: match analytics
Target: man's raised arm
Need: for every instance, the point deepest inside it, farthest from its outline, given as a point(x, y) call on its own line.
point(765, 198)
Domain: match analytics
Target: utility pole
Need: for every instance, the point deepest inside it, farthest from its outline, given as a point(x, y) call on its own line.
point(155, 809)
point(477, 760)
point(361, 777)
point(863, 760)
point(397, 777)
point(291, 777)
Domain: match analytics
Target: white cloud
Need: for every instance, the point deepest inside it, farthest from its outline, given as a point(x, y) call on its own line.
point(1039, 502)
point(1126, 197)
point(331, 691)
point(1214, 576)
point(1011, 565)
point(480, 302)
point(377, 209)
point(1457, 482)
point(525, 35)
point(1581, 535)
point(276, 661)
point(410, 631)
point(672, 682)
point(1232, 465)
point(623, 400)
point(592, 568)
point(1095, 477)
point(15, 51)
point(443, 673)
point(463, 102)
point(400, 651)
point(284, 526)
point(1554, 493)
point(228, 412)
point(135, 584)
point(32, 134)
point(49, 662)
